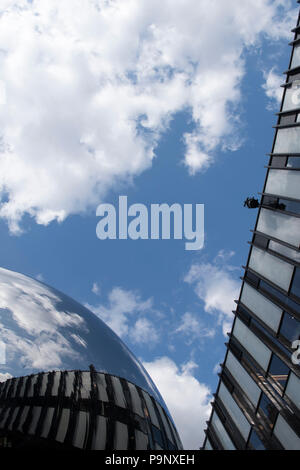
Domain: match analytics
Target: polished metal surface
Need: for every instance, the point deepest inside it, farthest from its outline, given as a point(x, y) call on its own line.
point(87, 410)
point(42, 329)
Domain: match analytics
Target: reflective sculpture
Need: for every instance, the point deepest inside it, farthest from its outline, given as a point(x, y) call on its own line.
point(68, 380)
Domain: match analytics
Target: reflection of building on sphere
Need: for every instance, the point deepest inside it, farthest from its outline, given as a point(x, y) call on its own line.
point(50, 394)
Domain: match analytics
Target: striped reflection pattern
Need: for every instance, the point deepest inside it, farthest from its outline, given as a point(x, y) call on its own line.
point(82, 410)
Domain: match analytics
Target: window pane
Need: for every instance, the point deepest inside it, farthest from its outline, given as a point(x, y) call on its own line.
point(141, 440)
point(69, 386)
point(251, 343)
point(296, 283)
point(280, 226)
point(63, 425)
point(208, 445)
point(286, 301)
point(242, 377)
point(294, 162)
point(296, 57)
point(136, 400)
point(121, 436)
point(274, 269)
point(80, 433)
point(287, 140)
point(268, 409)
point(47, 423)
point(286, 435)
point(234, 412)
point(284, 182)
point(151, 409)
point(293, 389)
point(221, 433)
point(285, 251)
point(271, 338)
point(288, 119)
point(99, 438)
point(118, 392)
point(290, 328)
point(255, 442)
point(282, 204)
point(86, 385)
point(278, 371)
point(263, 308)
point(278, 161)
point(292, 97)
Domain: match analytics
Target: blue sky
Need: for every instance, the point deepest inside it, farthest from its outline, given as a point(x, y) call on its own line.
point(162, 108)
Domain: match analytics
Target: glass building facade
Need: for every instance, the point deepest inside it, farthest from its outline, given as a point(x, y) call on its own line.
point(257, 403)
point(68, 381)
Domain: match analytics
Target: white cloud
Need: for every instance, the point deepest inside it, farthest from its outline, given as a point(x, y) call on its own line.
point(272, 87)
point(143, 331)
point(186, 398)
point(216, 286)
point(39, 341)
point(125, 314)
point(4, 377)
point(34, 305)
point(91, 85)
point(193, 329)
point(96, 288)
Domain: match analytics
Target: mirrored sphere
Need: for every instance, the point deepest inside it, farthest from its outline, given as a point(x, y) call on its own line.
point(42, 329)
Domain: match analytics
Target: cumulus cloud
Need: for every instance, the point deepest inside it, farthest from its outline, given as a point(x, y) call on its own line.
point(144, 331)
point(90, 86)
point(272, 87)
point(218, 287)
point(193, 329)
point(188, 400)
point(126, 315)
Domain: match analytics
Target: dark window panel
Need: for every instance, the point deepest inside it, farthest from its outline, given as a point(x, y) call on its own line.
point(293, 162)
point(157, 436)
point(295, 289)
point(252, 278)
point(279, 162)
point(227, 382)
point(272, 290)
point(281, 297)
point(295, 76)
point(281, 204)
point(260, 241)
point(255, 442)
point(290, 206)
point(272, 338)
point(279, 371)
point(268, 409)
point(290, 328)
point(270, 201)
point(289, 119)
point(244, 315)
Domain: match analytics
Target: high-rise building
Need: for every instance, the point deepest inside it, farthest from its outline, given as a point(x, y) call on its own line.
point(257, 403)
point(68, 381)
